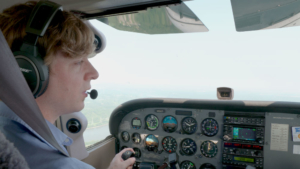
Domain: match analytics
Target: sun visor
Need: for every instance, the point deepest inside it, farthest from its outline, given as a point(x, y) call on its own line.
point(265, 14)
point(177, 18)
point(15, 93)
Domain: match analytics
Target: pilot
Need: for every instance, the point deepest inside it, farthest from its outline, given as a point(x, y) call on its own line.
point(66, 46)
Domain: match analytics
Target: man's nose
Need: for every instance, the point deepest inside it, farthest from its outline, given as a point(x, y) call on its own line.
point(92, 72)
point(95, 73)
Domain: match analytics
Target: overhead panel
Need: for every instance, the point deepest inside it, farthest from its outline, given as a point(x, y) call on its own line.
point(159, 20)
point(265, 14)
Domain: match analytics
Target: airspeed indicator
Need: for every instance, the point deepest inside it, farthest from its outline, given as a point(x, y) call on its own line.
point(151, 122)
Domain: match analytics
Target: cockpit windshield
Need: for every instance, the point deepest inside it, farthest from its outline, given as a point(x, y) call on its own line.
point(258, 65)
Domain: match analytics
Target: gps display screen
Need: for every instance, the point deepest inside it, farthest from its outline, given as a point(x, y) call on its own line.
point(244, 133)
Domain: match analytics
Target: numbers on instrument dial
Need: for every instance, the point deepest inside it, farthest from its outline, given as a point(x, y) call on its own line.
point(189, 125)
point(209, 149)
point(151, 122)
point(187, 165)
point(210, 127)
point(169, 144)
point(169, 124)
point(125, 136)
point(188, 146)
point(136, 138)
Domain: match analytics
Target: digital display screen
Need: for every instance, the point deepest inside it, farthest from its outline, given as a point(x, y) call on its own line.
point(243, 159)
point(246, 146)
point(244, 133)
point(136, 122)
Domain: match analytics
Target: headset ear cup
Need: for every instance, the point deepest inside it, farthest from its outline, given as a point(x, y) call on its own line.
point(35, 72)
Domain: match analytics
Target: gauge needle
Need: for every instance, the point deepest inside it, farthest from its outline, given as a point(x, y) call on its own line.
point(189, 166)
point(208, 148)
point(187, 123)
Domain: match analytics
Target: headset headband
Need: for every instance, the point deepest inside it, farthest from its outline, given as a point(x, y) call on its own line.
point(38, 22)
point(28, 57)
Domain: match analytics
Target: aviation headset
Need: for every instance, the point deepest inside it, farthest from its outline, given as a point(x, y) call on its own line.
point(30, 61)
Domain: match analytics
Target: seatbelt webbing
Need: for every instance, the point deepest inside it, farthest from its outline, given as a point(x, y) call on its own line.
point(15, 93)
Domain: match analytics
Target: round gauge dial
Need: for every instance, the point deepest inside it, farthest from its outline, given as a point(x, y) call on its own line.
point(136, 123)
point(137, 152)
point(136, 138)
point(151, 142)
point(189, 125)
point(125, 136)
point(169, 144)
point(209, 149)
point(151, 122)
point(188, 146)
point(170, 124)
point(210, 127)
point(207, 166)
point(187, 165)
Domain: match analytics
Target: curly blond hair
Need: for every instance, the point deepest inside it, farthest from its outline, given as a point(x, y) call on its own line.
point(66, 33)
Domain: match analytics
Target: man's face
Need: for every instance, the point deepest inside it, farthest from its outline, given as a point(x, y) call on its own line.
point(69, 79)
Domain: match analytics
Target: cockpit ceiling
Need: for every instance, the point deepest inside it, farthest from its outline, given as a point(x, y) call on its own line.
point(94, 6)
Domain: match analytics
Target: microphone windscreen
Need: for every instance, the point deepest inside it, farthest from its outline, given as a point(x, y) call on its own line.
point(94, 94)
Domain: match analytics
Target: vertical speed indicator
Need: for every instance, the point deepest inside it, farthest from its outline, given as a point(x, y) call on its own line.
point(188, 146)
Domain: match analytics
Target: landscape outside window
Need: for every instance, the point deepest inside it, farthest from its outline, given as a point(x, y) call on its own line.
point(258, 65)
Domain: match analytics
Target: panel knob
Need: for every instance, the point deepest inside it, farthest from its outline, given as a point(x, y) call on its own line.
point(226, 138)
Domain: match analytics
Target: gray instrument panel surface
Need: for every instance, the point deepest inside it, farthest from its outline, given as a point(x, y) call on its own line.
point(199, 115)
point(279, 159)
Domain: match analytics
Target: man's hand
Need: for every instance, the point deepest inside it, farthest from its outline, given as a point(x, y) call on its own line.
point(119, 163)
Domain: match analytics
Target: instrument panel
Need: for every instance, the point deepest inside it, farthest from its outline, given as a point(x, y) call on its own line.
point(209, 134)
point(194, 135)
